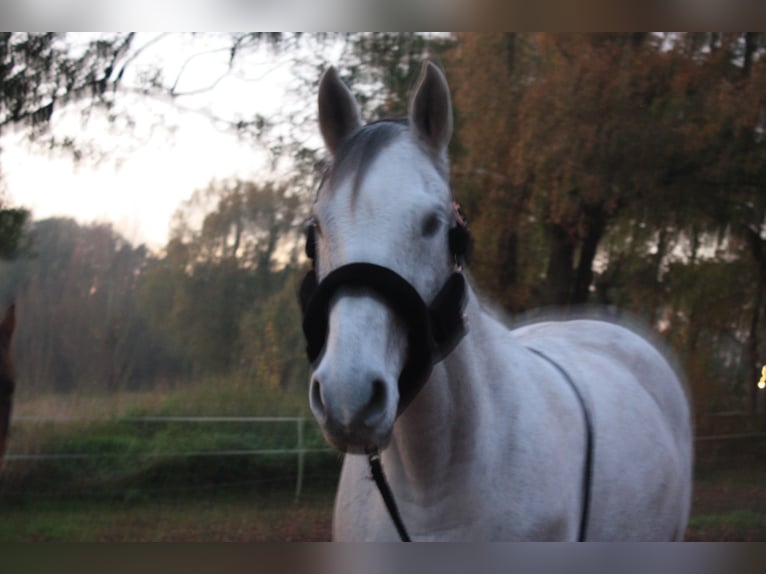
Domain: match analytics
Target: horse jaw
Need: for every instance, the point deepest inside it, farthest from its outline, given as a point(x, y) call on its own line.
point(354, 390)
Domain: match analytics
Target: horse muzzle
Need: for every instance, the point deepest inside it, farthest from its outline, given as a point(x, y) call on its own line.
point(355, 416)
point(353, 391)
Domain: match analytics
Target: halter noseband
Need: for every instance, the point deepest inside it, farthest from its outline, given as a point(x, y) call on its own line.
point(433, 330)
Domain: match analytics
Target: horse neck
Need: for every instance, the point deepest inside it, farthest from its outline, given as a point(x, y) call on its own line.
point(444, 422)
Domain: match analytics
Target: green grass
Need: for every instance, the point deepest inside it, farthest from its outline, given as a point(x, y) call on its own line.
point(211, 396)
point(219, 518)
point(124, 495)
point(740, 519)
point(133, 458)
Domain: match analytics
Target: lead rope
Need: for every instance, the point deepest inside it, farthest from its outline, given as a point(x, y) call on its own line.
point(588, 464)
point(373, 456)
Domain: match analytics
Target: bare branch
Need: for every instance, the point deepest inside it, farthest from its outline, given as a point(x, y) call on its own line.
point(189, 60)
point(136, 54)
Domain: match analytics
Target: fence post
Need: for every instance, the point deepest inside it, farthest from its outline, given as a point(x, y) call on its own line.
point(299, 481)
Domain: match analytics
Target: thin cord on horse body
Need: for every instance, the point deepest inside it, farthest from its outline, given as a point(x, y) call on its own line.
point(588, 462)
point(385, 491)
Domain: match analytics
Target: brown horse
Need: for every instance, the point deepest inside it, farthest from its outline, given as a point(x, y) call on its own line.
point(7, 377)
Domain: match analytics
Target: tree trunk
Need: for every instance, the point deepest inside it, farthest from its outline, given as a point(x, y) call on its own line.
point(750, 46)
point(508, 270)
point(510, 51)
point(596, 225)
point(654, 301)
point(754, 371)
point(758, 251)
point(558, 282)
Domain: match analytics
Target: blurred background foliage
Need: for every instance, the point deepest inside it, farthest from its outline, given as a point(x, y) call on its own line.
point(621, 169)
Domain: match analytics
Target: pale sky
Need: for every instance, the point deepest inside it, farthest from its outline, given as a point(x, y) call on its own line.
point(139, 195)
point(149, 173)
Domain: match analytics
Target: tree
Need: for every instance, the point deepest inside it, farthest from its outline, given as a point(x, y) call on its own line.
point(39, 72)
point(233, 246)
point(485, 76)
point(80, 327)
point(13, 223)
point(273, 347)
point(632, 166)
point(621, 168)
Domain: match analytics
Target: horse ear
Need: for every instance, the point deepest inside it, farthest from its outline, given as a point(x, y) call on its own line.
point(8, 324)
point(431, 109)
point(338, 112)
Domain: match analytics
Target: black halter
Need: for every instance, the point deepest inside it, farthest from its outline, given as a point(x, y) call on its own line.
point(433, 330)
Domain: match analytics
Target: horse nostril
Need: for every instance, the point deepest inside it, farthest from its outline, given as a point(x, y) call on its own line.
point(315, 398)
point(376, 406)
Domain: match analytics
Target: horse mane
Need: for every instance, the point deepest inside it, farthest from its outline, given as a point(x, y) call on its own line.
point(356, 153)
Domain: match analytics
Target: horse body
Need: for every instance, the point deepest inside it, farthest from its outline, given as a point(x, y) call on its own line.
point(493, 446)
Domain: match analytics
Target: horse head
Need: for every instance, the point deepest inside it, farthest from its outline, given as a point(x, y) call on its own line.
point(384, 300)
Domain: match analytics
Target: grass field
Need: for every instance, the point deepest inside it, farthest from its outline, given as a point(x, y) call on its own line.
point(729, 502)
point(214, 517)
point(170, 497)
point(163, 481)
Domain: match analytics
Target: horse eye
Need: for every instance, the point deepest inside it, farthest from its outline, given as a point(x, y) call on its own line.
point(431, 225)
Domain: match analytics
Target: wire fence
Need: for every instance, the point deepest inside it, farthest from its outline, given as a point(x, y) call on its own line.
point(730, 436)
point(300, 450)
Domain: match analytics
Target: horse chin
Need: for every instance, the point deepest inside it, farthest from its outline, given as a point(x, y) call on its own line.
point(353, 443)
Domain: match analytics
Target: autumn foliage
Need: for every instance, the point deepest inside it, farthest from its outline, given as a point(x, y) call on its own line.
point(626, 170)
point(623, 169)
